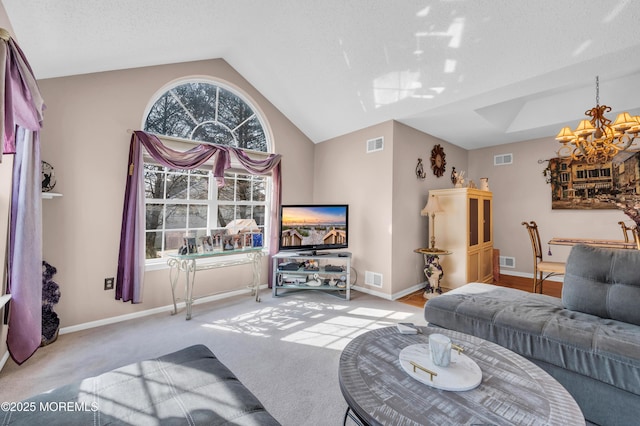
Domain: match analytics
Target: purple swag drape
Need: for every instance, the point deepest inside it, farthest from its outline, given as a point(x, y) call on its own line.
point(130, 274)
point(20, 122)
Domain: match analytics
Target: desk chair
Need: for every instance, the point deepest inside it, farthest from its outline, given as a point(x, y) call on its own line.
point(541, 269)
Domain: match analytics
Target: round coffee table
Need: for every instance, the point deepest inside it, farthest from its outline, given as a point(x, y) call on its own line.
point(513, 390)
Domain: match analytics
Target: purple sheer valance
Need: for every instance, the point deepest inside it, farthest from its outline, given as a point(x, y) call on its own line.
point(130, 275)
point(22, 105)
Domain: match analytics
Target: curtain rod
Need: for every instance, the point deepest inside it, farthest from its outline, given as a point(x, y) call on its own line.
point(174, 139)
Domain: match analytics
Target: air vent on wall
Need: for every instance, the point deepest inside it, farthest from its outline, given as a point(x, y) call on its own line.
point(376, 144)
point(373, 279)
point(507, 262)
point(502, 159)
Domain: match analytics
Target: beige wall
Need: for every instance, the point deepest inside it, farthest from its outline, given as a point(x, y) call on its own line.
point(85, 138)
point(520, 193)
point(385, 198)
point(346, 173)
point(410, 230)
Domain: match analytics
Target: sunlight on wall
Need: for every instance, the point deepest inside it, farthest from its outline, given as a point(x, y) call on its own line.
point(325, 325)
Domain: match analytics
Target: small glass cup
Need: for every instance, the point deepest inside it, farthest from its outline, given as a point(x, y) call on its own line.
point(440, 349)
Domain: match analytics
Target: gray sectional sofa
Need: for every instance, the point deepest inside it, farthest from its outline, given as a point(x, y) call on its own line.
point(188, 387)
point(589, 339)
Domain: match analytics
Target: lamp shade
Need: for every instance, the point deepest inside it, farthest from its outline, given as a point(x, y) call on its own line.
point(584, 128)
point(433, 206)
point(624, 121)
point(565, 135)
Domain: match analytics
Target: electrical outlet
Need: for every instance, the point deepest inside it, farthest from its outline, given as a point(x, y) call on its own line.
point(108, 283)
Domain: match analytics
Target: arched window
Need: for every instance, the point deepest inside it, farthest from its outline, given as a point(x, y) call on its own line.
point(187, 203)
point(207, 112)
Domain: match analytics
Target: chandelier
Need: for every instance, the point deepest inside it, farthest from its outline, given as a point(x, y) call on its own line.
point(597, 140)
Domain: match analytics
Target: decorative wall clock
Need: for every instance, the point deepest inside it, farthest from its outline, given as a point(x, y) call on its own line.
point(438, 161)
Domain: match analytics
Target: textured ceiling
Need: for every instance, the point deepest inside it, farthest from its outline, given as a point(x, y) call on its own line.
point(475, 73)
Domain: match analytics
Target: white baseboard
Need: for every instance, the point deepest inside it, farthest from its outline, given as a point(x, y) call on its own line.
point(394, 296)
point(120, 318)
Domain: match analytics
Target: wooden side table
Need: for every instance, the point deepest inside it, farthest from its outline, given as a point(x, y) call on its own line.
point(432, 268)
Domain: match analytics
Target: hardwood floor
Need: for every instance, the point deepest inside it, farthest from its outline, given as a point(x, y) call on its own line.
point(551, 288)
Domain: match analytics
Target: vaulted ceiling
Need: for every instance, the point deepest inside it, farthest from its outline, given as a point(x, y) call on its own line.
point(475, 73)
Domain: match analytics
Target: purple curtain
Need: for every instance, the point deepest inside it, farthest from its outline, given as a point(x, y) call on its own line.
point(130, 275)
point(20, 121)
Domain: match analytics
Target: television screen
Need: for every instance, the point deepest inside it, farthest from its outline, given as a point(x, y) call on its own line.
point(314, 227)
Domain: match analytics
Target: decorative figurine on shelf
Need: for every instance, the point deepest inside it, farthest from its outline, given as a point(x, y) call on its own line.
point(459, 179)
point(48, 177)
point(420, 174)
point(484, 184)
point(433, 271)
point(50, 296)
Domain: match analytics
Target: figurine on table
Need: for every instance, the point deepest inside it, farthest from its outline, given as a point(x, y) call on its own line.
point(433, 271)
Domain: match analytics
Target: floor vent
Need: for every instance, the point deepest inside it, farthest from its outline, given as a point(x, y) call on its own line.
point(507, 262)
point(374, 145)
point(373, 279)
point(502, 159)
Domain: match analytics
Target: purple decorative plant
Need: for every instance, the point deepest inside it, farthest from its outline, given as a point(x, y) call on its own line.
point(50, 296)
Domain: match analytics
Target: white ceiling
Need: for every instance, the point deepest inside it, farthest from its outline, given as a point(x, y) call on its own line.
point(475, 73)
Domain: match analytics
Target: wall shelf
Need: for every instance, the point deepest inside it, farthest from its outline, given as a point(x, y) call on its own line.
point(50, 195)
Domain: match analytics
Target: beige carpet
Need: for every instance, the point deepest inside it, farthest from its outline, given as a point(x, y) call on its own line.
point(285, 349)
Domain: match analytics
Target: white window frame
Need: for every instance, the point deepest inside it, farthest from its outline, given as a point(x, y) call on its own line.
point(213, 202)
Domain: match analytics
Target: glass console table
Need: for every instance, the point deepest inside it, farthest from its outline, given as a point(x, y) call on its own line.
point(188, 264)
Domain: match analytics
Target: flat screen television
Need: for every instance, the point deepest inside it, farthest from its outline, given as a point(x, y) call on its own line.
point(313, 227)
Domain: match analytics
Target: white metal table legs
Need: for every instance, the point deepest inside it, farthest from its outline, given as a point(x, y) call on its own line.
point(189, 267)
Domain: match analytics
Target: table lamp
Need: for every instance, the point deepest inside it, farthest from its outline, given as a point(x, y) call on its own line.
point(432, 207)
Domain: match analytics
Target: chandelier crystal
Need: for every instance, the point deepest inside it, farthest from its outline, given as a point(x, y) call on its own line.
point(597, 140)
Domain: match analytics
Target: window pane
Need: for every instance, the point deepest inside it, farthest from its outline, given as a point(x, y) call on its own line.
point(199, 189)
point(154, 216)
point(167, 117)
point(176, 216)
point(259, 189)
point(213, 133)
point(198, 216)
point(153, 244)
point(173, 241)
point(177, 185)
point(258, 215)
point(232, 110)
point(153, 181)
point(243, 190)
point(225, 215)
point(251, 136)
point(243, 212)
point(227, 192)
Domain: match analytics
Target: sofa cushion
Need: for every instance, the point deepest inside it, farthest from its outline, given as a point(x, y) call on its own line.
point(190, 386)
point(538, 327)
point(603, 282)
